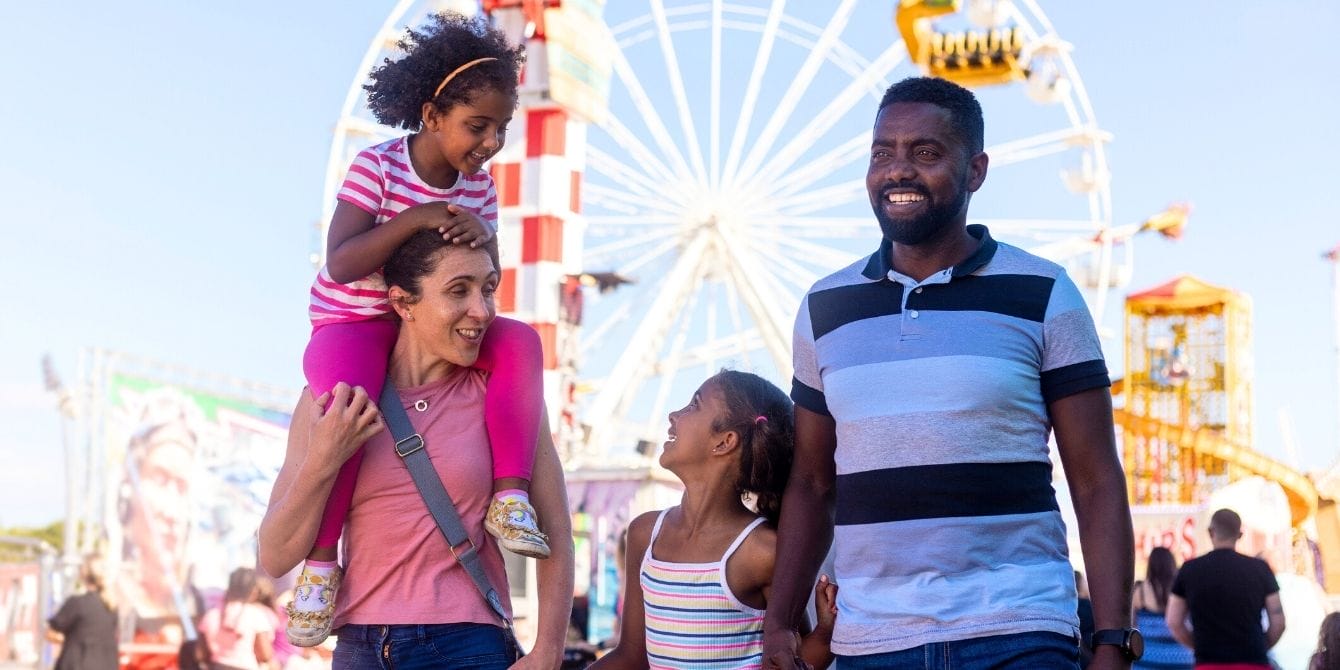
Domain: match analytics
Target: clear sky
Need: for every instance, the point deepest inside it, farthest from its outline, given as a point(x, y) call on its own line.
point(165, 163)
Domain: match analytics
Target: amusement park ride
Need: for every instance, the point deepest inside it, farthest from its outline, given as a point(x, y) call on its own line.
point(649, 242)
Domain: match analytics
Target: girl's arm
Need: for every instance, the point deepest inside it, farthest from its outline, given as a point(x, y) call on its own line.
point(815, 646)
point(631, 652)
point(355, 248)
point(549, 494)
point(319, 441)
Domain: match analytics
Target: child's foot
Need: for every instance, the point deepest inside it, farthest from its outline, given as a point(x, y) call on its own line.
point(511, 519)
point(313, 606)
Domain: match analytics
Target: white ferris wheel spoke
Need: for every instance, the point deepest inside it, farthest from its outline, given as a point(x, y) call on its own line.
point(737, 323)
point(1042, 144)
point(761, 58)
point(795, 90)
point(853, 149)
point(601, 251)
point(748, 276)
point(819, 227)
point(819, 199)
point(1039, 228)
point(648, 113)
point(628, 176)
point(637, 150)
point(677, 88)
point(669, 367)
point(639, 356)
point(636, 264)
point(831, 114)
point(789, 272)
point(600, 192)
point(817, 254)
point(714, 122)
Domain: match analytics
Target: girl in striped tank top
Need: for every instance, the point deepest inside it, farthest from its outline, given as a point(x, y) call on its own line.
point(704, 567)
point(454, 89)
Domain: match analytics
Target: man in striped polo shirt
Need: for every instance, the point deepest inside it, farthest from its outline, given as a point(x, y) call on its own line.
point(928, 378)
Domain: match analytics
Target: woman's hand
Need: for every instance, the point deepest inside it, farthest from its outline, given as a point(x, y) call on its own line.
point(349, 419)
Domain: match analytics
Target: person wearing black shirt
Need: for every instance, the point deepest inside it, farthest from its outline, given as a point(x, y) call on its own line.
point(1224, 593)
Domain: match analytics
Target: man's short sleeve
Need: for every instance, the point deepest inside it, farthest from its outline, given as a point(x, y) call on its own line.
point(1268, 580)
point(1072, 357)
point(1179, 584)
point(807, 386)
point(363, 184)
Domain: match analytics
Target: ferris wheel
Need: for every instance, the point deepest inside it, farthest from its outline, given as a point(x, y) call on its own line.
point(727, 175)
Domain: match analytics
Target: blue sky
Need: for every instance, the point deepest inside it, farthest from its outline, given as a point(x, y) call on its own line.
point(165, 164)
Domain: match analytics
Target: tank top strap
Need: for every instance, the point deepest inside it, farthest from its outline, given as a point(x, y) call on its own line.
point(655, 530)
point(739, 539)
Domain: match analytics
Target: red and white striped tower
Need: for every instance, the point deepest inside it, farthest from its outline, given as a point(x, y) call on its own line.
point(538, 178)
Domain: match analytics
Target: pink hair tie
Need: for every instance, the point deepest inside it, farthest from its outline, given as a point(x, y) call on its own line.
point(760, 419)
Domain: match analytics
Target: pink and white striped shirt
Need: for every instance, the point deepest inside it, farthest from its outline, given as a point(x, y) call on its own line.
point(382, 182)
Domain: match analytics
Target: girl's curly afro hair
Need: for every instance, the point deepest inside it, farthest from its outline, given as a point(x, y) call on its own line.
point(449, 40)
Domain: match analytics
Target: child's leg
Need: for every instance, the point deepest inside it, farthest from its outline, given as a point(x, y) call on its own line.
point(356, 354)
point(512, 405)
point(513, 355)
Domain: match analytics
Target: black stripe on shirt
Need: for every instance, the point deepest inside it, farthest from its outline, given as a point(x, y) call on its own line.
point(811, 399)
point(833, 308)
point(942, 491)
point(1071, 379)
point(1019, 296)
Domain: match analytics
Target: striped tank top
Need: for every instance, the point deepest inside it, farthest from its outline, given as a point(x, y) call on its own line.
point(692, 618)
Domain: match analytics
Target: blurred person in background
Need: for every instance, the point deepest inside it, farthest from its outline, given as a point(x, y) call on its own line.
point(1162, 650)
point(85, 626)
point(240, 632)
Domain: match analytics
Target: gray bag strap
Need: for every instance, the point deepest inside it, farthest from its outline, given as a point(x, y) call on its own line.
point(409, 446)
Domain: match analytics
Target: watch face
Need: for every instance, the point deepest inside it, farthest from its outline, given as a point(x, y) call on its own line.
point(1135, 643)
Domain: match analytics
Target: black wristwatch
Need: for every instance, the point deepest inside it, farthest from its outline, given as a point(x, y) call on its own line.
point(1129, 640)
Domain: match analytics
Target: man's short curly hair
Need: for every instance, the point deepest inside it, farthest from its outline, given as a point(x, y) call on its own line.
point(961, 104)
point(398, 88)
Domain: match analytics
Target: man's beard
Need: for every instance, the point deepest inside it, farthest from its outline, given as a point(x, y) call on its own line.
point(931, 223)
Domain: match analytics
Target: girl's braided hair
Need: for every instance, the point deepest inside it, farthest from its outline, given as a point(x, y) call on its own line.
point(399, 88)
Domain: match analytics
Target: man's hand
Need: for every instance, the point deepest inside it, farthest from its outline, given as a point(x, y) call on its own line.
point(781, 651)
point(1108, 657)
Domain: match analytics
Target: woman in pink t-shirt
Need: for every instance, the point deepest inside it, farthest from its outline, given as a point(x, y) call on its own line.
point(405, 601)
point(240, 631)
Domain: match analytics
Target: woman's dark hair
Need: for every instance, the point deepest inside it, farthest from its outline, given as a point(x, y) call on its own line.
point(762, 415)
point(418, 256)
point(449, 40)
point(1327, 656)
point(1160, 573)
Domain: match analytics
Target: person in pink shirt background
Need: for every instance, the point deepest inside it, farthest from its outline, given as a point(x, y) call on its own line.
point(240, 631)
point(454, 89)
point(407, 602)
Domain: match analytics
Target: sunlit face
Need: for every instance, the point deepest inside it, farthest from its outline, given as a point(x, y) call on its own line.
point(691, 437)
point(469, 134)
point(921, 173)
point(455, 305)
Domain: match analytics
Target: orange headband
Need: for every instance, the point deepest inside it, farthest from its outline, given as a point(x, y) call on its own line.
point(459, 70)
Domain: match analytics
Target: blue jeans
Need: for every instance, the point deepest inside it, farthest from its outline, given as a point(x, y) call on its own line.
point(451, 646)
point(1020, 651)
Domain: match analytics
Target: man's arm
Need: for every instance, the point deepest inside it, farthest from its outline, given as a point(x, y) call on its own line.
point(1275, 616)
point(803, 536)
point(1175, 617)
point(1087, 444)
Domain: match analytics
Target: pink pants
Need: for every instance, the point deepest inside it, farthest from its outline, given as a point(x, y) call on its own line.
point(356, 353)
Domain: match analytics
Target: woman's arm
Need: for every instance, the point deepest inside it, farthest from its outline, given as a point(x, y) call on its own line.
point(631, 651)
point(319, 442)
point(549, 495)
